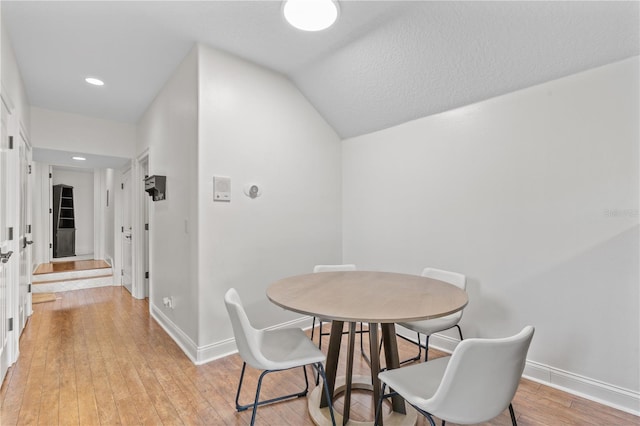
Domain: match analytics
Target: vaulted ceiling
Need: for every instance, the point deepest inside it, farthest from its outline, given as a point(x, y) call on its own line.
point(383, 63)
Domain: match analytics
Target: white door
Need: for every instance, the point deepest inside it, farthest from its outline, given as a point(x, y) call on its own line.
point(127, 252)
point(4, 245)
point(24, 235)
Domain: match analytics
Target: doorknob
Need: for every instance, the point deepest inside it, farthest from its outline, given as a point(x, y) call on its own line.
point(4, 257)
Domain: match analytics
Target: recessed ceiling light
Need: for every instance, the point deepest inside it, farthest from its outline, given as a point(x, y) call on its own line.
point(94, 81)
point(311, 15)
point(79, 158)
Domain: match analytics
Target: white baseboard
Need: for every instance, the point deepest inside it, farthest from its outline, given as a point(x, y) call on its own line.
point(603, 393)
point(585, 387)
point(186, 344)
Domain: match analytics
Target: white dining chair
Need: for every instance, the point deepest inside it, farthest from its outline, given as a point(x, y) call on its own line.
point(272, 350)
point(334, 268)
point(435, 325)
point(473, 385)
point(330, 268)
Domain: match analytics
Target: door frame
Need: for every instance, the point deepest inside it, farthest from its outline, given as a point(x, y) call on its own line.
point(23, 233)
point(140, 197)
point(140, 235)
point(126, 226)
point(17, 130)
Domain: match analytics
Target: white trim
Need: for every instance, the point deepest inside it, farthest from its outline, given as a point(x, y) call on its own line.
point(186, 344)
point(216, 350)
point(603, 393)
point(99, 191)
point(585, 387)
point(139, 196)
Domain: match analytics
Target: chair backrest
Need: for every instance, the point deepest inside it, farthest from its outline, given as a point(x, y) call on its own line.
point(481, 378)
point(247, 337)
point(459, 280)
point(454, 278)
point(334, 268)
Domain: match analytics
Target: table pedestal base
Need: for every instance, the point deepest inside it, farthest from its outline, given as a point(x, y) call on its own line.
point(321, 416)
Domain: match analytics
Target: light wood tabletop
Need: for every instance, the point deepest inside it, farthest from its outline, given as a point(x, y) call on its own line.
point(366, 296)
point(378, 298)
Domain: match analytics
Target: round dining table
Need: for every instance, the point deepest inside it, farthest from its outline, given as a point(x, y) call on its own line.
point(378, 298)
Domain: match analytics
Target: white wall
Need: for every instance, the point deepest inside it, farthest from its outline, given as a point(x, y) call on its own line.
point(103, 214)
point(83, 204)
point(169, 130)
point(40, 210)
point(256, 127)
point(77, 133)
point(219, 115)
point(534, 196)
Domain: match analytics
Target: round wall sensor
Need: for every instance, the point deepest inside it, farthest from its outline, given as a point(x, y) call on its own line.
point(252, 190)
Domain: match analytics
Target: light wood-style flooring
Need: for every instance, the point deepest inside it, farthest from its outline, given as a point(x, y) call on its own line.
point(95, 357)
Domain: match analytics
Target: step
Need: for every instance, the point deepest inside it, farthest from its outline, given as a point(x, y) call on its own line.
point(71, 275)
point(78, 283)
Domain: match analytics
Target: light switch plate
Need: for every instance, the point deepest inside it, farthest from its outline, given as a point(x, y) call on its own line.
point(221, 188)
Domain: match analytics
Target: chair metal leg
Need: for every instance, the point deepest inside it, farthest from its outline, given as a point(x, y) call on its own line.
point(426, 348)
point(238, 406)
point(319, 346)
point(313, 328)
point(459, 331)
point(427, 416)
point(419, 345)
point(378, 412)
point(513, 415)
point(256, 401)
point(325, 386)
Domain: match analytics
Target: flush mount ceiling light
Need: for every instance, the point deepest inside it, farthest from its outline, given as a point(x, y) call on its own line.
point(311, 15)
point(94, 81)
point(79, 158)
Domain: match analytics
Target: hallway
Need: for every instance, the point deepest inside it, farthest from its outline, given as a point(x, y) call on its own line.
point(96, 357)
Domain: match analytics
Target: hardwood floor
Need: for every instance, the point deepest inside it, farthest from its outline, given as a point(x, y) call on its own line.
point(96, 357)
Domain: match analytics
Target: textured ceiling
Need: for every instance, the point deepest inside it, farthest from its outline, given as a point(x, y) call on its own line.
point(383, 63)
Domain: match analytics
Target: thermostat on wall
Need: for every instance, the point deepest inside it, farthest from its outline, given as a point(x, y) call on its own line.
point(252, 190)
point(221, 188)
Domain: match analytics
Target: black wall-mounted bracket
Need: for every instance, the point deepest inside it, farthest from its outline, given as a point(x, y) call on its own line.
point(156, 186)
